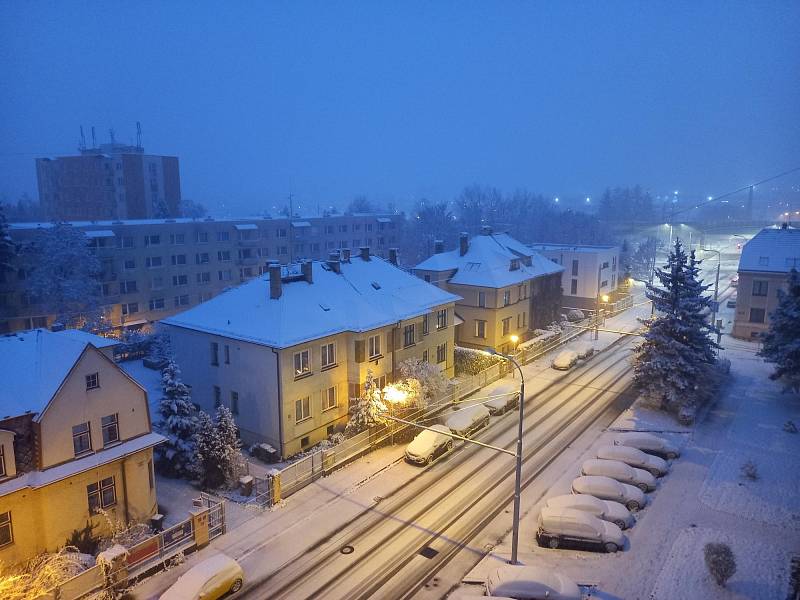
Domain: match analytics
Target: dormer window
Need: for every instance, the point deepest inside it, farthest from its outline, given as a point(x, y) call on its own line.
point(514, 264)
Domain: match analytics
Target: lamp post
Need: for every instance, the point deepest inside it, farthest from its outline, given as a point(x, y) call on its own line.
point(716, 292)
point(597, 304)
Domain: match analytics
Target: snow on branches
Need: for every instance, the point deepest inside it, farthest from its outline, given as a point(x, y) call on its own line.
point(782, 341)
point(179, 424)
point(218, 456)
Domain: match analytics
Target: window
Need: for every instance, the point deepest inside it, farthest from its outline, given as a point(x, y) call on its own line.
point(263, 252)
point(573, 287)
point(480, 329)
point(441, 353)
point(302, 363)
point(506, 325)
point(101, 495)
point(202, 237)
point(246, 272)
point(409, 335)
point(6, 530)
point(153, 262)
point(521, 291)
point(763, 261)
point(604, 283)
point(157, 283)
point(92, 381)
point(203, 278)
point(328, 355)
point(157, 304)
point(227, 354)
point(374, 346)
point(223, 236)
point(179, 280)
point(217, 396)
point(329, 398)
point(281, 233)
point(223, 255)
point(182, 300)
point(613, 263)
point(2, 462)
point(425, 324)
point(129, 264)
point(356, 243)
point(178, 259)
point(424, 356)
point(234, 402)
point(757, 315)
point(201, 258)
point(177, 239)
point(575, 267)
point(150, 474)
point(302, 409)
point(605, 265)
point(127, 287)
point(482, 299)
point(81, 438)
point(130, 308)
point(760, 288)
point(205, 297)
point(506, 297)
point(151, 240)
point(428, 278)
point(342, 228)
point(214, 354)
point(224, 275)
point(126, 241)
point(520, 320)
point(110, 427)
point(283, 250)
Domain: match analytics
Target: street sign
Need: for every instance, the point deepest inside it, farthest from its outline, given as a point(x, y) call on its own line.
point(714, 306)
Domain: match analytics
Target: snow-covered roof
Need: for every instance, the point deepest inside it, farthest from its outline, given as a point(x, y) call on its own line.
point(100, 233)
point(571, 248)
point(245, 226)
point(772, 250)
point(366, 295)
point(88, 338)
point(488, 260)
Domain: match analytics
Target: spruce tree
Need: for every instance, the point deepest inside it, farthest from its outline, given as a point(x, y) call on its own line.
point(677, 347)
point(179, 423)
point(362, 409)
point(208, 447)
point(231, 460)
point(7, 248)
point(782, 341)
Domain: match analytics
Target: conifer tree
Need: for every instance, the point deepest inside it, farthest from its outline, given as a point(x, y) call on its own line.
point(208, 452)
point(231, 460)
point(782, 341)
point(7, 248)
point(362, 409)
point(179, 423)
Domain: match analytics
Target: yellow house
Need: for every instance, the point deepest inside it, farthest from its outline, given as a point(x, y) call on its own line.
point(287, 352)
point(75, 440)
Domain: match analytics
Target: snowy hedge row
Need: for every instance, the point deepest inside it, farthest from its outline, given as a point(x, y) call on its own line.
point(469, 361)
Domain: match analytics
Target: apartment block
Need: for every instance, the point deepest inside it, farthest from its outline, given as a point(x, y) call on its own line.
point(155, 268)
point(288, 351)
point(75, 440)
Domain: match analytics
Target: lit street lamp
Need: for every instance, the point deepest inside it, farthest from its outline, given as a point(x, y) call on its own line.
point(597, 306)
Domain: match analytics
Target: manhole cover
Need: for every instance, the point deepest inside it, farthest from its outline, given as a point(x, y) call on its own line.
point(347, 550)
point(428, 552)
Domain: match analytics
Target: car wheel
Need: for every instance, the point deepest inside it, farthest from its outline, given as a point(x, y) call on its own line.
point(553, 543)
point(429, 459)
point(237, 585)
point(611, 547)
point(621, 524)
point(642, 486)
point(449, 446)
point(671, 456)
point(655, 473)
point(632, 505)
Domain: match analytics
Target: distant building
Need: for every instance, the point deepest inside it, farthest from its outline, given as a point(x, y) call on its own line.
point(158, 267)
point(506, 288)
point(589, 271)
point(764, 269)
point(114, 181)
point(287, 352)
point(75, 439)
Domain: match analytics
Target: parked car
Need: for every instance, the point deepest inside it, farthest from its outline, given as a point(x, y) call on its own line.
point(647, 442)
point(607, 510)
point(582, 349)
point(634, 457)
point(731, 303)
point(507, 393)
point(209, 579)
point(619, 471)
point(570, 528)
point(606, 488)
point(527, 582)
point(565, 360)
point(735, 281)
point(429, 445)
point(466, 421)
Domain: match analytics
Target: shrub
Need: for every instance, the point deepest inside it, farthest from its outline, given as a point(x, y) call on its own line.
point(720, 562)
point(750, 470)
point(790, 427)
point(575, 315)
point(469, 361)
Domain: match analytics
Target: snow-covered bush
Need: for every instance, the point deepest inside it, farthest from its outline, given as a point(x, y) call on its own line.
point(179, 424)
point(749, 470)
point(575, 315)
point(363, 410)
point(430, 378)
point(218, 457)
point(782, 341)
point(720, 561)
point(40, 574)
point(469, 361)
point(790, 427)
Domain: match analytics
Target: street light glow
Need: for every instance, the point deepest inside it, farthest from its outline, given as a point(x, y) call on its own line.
point(604, 298)
point(514, 339)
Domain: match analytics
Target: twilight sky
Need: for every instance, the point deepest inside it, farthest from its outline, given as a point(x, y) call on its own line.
point(403, 100)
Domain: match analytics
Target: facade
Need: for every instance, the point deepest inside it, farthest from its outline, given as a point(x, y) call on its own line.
point(505, 288)
point(114, 181)
point(156, 268)
point(75, 440)
point(764, 268)
point(589, 272)
point(288, 351)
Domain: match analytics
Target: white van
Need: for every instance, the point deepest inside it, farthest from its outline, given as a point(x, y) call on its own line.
point(468, 420)
point(619, 471)
point(570, 528)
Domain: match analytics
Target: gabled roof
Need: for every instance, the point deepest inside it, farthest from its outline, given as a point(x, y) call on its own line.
point(588, 249)
point(772, 250)
point(366, 295)
point(487, 262)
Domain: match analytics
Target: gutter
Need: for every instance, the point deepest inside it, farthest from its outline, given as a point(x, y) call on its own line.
point(281, 441)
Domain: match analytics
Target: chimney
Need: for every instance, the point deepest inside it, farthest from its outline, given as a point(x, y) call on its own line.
point(438, 246)
point(306, 270)
point(345, 254)
point(486, 230)
point(333, 262)
point(274, 281)
point(393, 256)
point(364, 252)
point(463, 243)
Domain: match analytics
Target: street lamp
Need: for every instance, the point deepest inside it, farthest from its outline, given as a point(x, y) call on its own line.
point(518, 477)
point(597, 304)
point(716, 292)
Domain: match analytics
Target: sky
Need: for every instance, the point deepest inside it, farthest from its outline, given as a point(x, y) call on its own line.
point(399, 101)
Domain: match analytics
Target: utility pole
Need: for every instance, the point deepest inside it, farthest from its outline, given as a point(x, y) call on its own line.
point(291, 241)
point(716, 295)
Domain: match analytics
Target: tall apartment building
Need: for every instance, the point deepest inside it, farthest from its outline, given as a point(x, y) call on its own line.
point(113, 181)
point(156, 268)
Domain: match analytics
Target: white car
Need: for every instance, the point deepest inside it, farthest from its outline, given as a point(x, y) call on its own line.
point(634, 457)
point(583, 349)
point(525, 582)
point(619, 471)
point(215, 577)
point(466, 421)
point(606, 488)
point(565, 360)
point(647, 442)
point(507, 397)
point(607, 510)
point(429, 445)
point(570, 528)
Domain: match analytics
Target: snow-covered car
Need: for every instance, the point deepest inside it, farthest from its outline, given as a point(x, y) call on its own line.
point(619, 471)
point(429, 445)
point(606, 488)
point(607, 510)
point(735, 281)
point(634, 457)
point(528, 582)
point(209, 579)
point(466, 421)
point(506, 397)
point(565, 360)
point(571, 528)
point(647, 442)
point(582, 349)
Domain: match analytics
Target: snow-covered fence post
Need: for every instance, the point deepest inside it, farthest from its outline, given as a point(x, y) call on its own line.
point(199, 518)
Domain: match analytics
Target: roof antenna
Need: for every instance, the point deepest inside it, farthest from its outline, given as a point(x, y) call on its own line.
point(83, 140)
point(94, 139)
point(138, 135)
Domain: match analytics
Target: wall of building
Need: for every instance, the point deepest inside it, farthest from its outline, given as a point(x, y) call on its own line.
point(586, 279)
point(747, 322)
